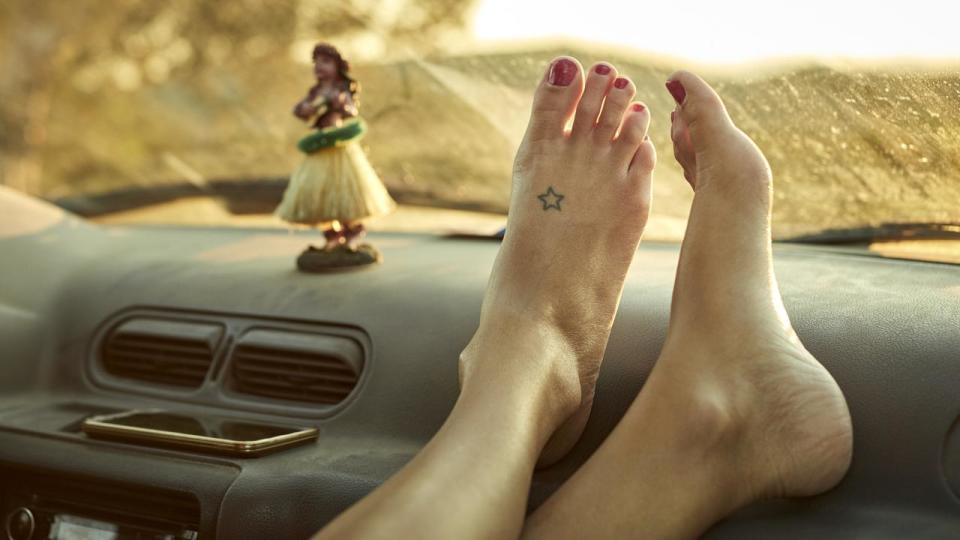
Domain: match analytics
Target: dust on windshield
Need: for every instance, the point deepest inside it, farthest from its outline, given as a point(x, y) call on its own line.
point(176, 98)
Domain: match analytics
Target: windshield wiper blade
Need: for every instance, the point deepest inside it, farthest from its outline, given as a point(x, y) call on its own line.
point(882, 233)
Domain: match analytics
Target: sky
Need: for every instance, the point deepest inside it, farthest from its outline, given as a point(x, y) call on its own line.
point(732, 31)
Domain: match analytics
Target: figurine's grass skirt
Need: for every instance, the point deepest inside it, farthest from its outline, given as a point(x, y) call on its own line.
point(335, 183)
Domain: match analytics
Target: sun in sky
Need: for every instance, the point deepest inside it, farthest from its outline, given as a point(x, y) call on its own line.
point(732, 31)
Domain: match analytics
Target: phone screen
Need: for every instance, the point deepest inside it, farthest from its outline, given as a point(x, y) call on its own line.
point(204, 427)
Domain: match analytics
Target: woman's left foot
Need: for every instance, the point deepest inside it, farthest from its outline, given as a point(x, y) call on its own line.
point(578, 208)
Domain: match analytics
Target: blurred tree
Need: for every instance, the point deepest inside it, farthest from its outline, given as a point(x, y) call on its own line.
point(58, 56)
point(424, 26)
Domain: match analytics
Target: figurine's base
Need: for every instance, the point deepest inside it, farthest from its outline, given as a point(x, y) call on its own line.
point(314, 260)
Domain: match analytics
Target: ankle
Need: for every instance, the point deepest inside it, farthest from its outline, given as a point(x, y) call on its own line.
point(695, 412)
point(695, 436)
point(524, 360)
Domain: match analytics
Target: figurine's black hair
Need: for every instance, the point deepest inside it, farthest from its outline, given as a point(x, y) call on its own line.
point(343, 67)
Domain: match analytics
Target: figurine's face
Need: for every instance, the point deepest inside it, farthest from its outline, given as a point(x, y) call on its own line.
point(324, 67)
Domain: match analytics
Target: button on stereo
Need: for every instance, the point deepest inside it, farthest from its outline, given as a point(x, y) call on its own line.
point(20, 524)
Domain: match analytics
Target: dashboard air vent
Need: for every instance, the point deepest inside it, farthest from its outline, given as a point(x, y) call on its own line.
point(161, 351)
point(295, 366)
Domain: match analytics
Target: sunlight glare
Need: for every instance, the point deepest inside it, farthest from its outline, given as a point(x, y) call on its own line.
point(734, 30)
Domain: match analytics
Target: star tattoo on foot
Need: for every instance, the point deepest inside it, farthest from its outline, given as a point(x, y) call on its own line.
point(550, 199)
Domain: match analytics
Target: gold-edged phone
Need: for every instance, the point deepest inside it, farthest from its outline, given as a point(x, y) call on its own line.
point(156, 427)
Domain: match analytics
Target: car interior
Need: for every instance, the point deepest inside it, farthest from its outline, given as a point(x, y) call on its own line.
point(134, 296)
point(101, 320)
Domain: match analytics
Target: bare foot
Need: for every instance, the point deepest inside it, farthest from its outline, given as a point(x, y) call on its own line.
point(730, 339)
point(736, 409)
point(578, 207)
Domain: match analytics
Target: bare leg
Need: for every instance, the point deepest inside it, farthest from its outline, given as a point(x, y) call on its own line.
point(578, 207)
point(736, 409)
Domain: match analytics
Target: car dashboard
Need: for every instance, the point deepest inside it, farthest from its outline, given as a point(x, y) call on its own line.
point(95, 319)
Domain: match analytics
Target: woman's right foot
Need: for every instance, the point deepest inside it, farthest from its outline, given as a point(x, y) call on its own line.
point(730, 336)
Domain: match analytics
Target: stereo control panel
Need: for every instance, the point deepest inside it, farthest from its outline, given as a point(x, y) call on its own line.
point(38, 506)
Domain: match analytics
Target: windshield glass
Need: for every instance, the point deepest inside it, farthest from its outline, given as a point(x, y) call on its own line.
point(111, 107)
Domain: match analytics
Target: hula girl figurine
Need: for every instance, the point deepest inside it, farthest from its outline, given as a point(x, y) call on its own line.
point(335, 187)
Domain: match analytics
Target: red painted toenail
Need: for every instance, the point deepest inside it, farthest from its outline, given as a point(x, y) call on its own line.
point(602, 69)
point(562, 72)
point(638, 107)
point(621, 83)
point(677, 91)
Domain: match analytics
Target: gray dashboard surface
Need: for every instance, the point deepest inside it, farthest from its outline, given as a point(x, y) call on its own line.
point(889, 332)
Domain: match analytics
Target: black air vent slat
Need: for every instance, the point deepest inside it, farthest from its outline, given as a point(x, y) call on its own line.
point(296, 366)
point(129, 345)
point(153, 376)
point(317, 364)
point(177, 353)
point(153, 361)
point(311, 396)
point(165, 342)
point(160, 356)
point(291, 355)
point(317, 383)
point(266, 368)
point(135, 365)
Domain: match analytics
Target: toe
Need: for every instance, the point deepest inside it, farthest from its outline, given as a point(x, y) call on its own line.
point(555, 99)
point(644, 160)
point(702, 127)
point(683, 150)
point(599, 81)
point(632, 132)
point(698, 105)
point(614, 105)
point(640, 176)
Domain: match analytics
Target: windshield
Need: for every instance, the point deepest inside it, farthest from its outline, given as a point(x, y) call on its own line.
point(122, 106)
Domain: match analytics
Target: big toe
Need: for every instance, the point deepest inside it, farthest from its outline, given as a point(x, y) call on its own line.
point(706, 139)
point(555, 99)
point(699, 107)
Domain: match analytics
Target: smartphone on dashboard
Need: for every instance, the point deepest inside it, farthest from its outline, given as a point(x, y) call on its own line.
point(155, 427)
